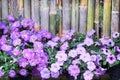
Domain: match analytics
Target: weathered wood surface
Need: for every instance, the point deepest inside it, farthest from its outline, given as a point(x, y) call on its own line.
point(115, 16)
point(106, 18)
point(27, 9)
point(4, 8)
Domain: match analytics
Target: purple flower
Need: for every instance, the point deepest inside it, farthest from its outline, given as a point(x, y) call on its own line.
point(35, 72)
point(65, 37)
point(23, 62)
point(106, 51)
point(111, 59)
point(85, 57)
point(64, 46)
point(14, 35)
point(55, 67)
point(3, 40)
point(28, 53)
point(115, 35)
point(90, 33)
point(118, 56)
point(98, 58)
point(23, 72)
point(33, 38)
point(25, 35)
point(27, 23)
point(76, 61)
point(16, 42)
point(118, 49)
point(91, 66)
point(51, 44)
point(74, 70)
point(10, 18)
point(45, 73)
point(45, 34)
point(111, 42)
point(15, 52)
point(88, 75)
point(61, 56)
point(6, 47)
point(93, 57)
point(81, 50)
point(41, 66)
point(12, 73)
point(1, 73)
point(55, 39)
point(72, 53)
point(15, 25)
point(100, 71)
point(88, 41)
point(55, 75)
point(38, 47)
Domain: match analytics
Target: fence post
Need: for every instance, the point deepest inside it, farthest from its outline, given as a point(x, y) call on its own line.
point(115, 16)
point(77, 14)
point(35, 13)
point(20, 7)
point(60, 16)
point(97, 8)
point(83, 16)
point(27, 9)
point(90, 16)
point(0, 10)
point(52, 16)
point(4, 8)
point(13, 8)
point(44, 14)
point(106, 18)
point(66, 16)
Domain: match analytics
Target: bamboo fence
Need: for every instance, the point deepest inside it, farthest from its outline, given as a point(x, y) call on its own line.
point(59, 16)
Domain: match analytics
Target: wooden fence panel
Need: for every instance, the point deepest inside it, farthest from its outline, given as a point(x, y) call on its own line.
point(79, 15)
point(44, 14)
point(4, 8)
point(27, 10)
point(115, 16)
point(83, 16)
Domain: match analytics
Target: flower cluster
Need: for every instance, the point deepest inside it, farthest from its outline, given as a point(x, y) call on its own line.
point(24, 50)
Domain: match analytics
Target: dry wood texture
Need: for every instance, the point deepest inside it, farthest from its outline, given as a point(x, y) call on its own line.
point(79, 15)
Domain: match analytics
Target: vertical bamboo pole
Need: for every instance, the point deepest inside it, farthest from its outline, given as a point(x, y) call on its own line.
point(60, 14)
point(115, 16)
point(73, 16)
point(90, 16)
point(0, 10)
point(76, 14)
point(4, 8)
point(52, 16)
point(20, 7)
point(97, 8)
point(83, 16)
point(35, 13)
point(66, 16)
point(27, 9)
point(106, 18)
point(44, 14)
point(13, 8)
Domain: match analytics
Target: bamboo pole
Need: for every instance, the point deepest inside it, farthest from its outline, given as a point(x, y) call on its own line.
point(27, 9)
point(44, 14)
point(4, 8)
point(97, 8)
point(0, 9)
point(73, 16)
point(90, 16)
point(106, 18)
point(77, 14)
point(115, 16)
point(13, 7)
point(52, 16)
point(60, 14)
point(83, 16)
point(66, 16)
point(20, 7)
point(35, 13)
